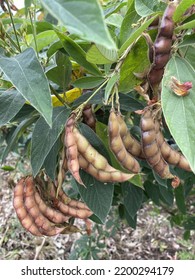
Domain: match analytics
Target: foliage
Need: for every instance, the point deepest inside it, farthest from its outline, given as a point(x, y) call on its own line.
point(52, 51)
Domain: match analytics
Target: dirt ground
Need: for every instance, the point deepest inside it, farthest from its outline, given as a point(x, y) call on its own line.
point(154, 237)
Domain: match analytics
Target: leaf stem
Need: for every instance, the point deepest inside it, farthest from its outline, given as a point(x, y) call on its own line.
point(79, 109)
point(34, 31)
point(10, 13)
point(58, 96)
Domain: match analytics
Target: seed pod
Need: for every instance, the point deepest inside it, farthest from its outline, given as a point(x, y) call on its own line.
point(162, 47)
point(71, 149)
point(67, 210)
point(51, 214)
point(88, 116)
point(171, 156)
point(130, 143)
point(23, 216)
point(43, 224)
point(90, 154)
point(71, 203)
point(103, 175)
point(150, 146)
point(117, 147)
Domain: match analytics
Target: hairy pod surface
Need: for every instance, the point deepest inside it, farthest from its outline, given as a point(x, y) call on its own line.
point(71, 149)
point(103, 175)
point(88, 116)
point(171, 156)
point(117, 146)
point(22, 214)
point(130, 143)
point(150, 146)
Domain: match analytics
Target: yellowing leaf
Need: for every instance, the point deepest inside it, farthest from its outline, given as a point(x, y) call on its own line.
point(69, 96)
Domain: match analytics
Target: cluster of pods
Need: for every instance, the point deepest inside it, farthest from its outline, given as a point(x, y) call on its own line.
point(80, 154)
point(42, 213)
point(158, 153)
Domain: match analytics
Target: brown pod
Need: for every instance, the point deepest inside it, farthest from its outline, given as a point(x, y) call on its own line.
point(171, 156)
point(50, 213)
point(23, 216)
point(162, 47)
point(72, 202)
point(150, 146)
point(88, 116)
point(71, 149)
point(130, 143)
point(103, 175)
point(67, 210)
point(43, 224)
point(117, 146)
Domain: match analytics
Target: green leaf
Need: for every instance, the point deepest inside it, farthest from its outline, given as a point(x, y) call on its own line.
point(44, 137)
point(44, 39)
point(115, 20)
point(189, 224)
point(127, 28)
point(16, 135)
point(77, 53)
point(110, 86)
point(136, 62)
point(128, 103)
point(188, 25)
point(89, 82)
point(166, 195)
point(133, 197)
point(97, 99)
point(61, 74)
point(153, 192)
point(132, 222)
point(8, 168)
point(54, 48)
point(145, 8)
point(83, 18)
point(181, 8)
point(51, 160)
point(98, 196)
point(137, 33)
point(11, 101)
point(100, 55)
point(178, 110)
point(188, 40)
point(26, 74)
point(180, 199)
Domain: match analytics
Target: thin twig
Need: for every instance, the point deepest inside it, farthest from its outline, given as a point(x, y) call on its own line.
point(34, 32)
point(39, 248)
point(10, 13)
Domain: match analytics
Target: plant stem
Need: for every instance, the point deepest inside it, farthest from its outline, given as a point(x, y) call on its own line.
point(34, 32)
point(10, 13)
point(58, 96)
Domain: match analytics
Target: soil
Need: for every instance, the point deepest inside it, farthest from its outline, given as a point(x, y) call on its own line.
point(154, 238)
